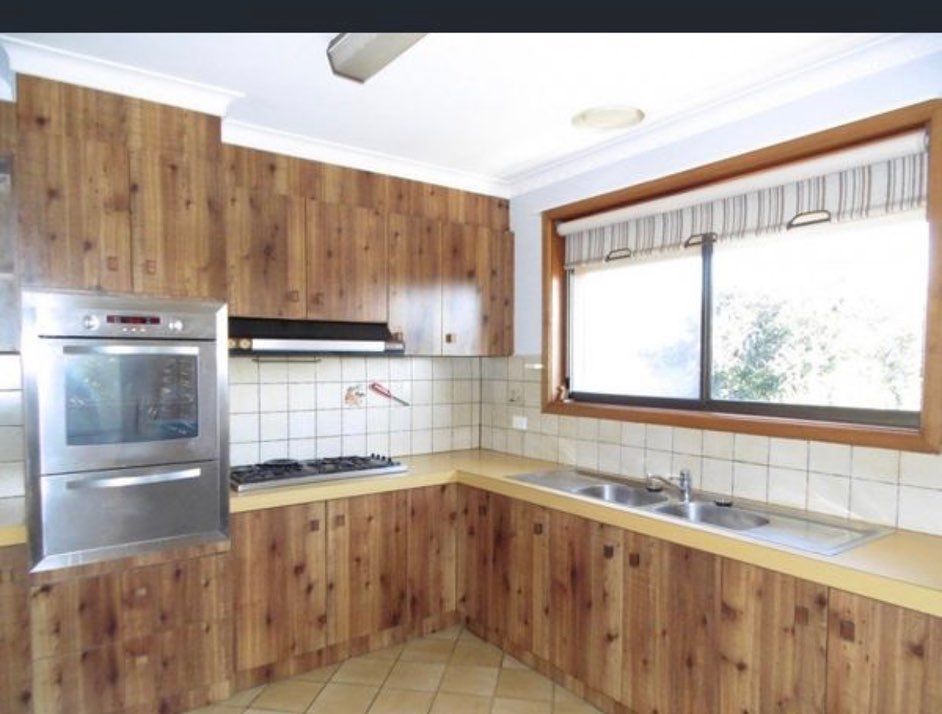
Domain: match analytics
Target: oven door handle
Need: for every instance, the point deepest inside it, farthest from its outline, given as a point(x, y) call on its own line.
point(131, 349)
point(125, 481)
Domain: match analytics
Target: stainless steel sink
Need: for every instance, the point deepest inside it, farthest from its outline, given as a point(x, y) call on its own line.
point(736, 519)
point(621, 494)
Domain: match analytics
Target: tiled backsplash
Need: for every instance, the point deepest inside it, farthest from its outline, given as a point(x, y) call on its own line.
point(304, 407)
point(896, 488)
point(11, 427)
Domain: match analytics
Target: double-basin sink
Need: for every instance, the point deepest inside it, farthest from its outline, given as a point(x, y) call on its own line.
point(817, 534)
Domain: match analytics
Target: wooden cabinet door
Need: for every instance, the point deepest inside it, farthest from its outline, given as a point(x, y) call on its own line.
point(415, 283)
point(432, 556)
point(367, 568)
point(346, 263)
point(475, 547)
point(772, 642)
point(526, 539)
point(15, 685)
point(265, 247)
point(279, 563)
point(671, 600)
point(73, 213)
point(882, 658)
point(499, 316)
point(586, 601)
point(177, 225)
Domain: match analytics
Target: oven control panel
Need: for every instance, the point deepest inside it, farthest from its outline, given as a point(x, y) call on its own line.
point(133, 324)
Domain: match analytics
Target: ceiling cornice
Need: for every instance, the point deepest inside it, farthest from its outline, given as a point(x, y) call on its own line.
point(281, 142)
point(27, 57)
point(882, 53)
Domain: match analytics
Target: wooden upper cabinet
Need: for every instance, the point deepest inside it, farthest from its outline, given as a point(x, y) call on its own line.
point(415, 283)
point(882, 658)
point(266, 253)
point(329, 183)
point(177, 225)
point(499, 304)
point(53, 108)
point(346, 263)
point(15, 685)
point(262, 172)
point(73, 212)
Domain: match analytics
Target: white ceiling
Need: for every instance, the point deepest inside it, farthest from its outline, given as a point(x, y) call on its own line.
point(487, 111)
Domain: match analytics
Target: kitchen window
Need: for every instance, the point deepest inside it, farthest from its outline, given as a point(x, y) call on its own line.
point(793, 299)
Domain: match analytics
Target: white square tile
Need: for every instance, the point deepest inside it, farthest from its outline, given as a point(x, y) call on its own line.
point(441, 368)
point(329, 423)
point(549, 424)
point(874, 501)
point(632, 434)
point(243, 370)
point(788, 487)
point(609, 456)
point(302, 371)
point(353, 369)
point(243, 428)
point(549, 447)
point(243, 454)
point(243, 398)
point(11, 443)
point(462, 391)
point(302, 449)
point(687, 441)
point(422, 418)
point(632, 461)
point(531, 394)
point(658, 437)
point(919, 509)
point(377, 443)
point(273, 372)
point(377, 369)
point(10, 375)
point(750, 481)
point(587, 454)
point(441, 440)
point(11, 408)
point(718, 444)
point(421, 392)
point(328, 447)
point(566, 449)
point(354, 422)
point(487, 437)
point(400, 443)
point(462, 367)
point(461, 437)
point(401, 389)
point(273, 397)
point(328, 370)
point(588, 429)
point(875, 464)
point(400, 369)
point(460, 415)
point(515, 368)
point(329, 395)
point(609, 431)
point(924, 470)
point(569, 427)
point(441, 416)
point(273, 426)
point(657, 462)
point(12, 479)
point(422, 441)
point(302, 425)
point(789, 453)
point(353, 444)
point(751, 449)
point(532, 444)
point(272, 450)
point(377, 420)
point(717, 476)
point(690, 462)
point(533, 369)
point(400, 419)
point(829, 493)
point(421, 369)
point(829, 458)
point(302, 397)
point(515, 442)
point(442, 392)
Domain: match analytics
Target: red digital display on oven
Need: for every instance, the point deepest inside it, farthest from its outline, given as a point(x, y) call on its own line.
point(133, 320)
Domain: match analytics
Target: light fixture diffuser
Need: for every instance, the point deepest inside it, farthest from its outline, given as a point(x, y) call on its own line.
point(607, 118)
point(360, 55)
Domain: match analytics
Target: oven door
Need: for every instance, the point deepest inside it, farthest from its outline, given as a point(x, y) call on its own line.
point(113, 404)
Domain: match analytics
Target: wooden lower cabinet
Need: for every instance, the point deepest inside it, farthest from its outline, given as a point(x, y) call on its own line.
point(15, 685)
point(432, 556)
point(882, 658)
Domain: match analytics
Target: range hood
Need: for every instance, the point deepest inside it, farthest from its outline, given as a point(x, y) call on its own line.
point(248, 335)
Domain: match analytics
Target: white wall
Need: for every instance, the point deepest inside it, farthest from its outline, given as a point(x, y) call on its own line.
point(906, 84)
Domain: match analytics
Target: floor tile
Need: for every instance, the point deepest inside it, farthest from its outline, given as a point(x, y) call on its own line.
point(217, 709)
point(471, 652)
point(512, 663)
point(429, 650)
point(401, 701)
point(524, 684)
point(565, 702)
point(322, 674)
point(291, 695)
point(362, 670)
point(503, 705)
point(386, 653)
point(418, 676)
point(449, 633)
point(451, 703)
point(470, 679)
point(244, 698)
point(337, 698)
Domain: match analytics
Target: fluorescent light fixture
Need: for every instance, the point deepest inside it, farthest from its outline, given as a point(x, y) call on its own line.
point(360, 55)
point(607, 118)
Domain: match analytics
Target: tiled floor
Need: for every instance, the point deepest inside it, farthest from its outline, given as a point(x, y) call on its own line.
point(450, 672)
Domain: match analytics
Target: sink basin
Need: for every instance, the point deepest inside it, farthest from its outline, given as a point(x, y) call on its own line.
point(621, 494)
point(735, 519)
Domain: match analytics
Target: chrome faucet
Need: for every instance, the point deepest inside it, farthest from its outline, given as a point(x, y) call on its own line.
point(683, 483)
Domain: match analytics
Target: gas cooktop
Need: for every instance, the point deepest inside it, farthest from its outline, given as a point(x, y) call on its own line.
point(288, 472)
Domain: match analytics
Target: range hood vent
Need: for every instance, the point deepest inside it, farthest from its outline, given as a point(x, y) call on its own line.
point(286, 337)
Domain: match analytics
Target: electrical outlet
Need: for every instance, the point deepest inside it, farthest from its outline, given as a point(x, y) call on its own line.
point(519, 422)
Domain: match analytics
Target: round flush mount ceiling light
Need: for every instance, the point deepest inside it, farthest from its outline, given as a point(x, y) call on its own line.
point(607, 118)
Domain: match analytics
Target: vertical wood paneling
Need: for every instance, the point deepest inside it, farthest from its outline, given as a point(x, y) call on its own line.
point(50, 108)
point(415, 282)
point(464, 265)
point(7, 127)
point(261, 172)
point(15, 684)
point(474, 557)
point(432, 554)
point(329, 183)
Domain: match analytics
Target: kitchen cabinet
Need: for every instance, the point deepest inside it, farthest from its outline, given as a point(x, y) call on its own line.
point(177, 225)
point(367, 569)
point(415, 283)
point(332, 184)
point(346, 263)
point(772, 645)
point(15, 684)
point(432, 557)
point(882, 658)
point(475, 549)
point(280, 577)
point(266, 252)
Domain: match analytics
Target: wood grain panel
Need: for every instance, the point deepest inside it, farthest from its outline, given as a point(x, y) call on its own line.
point(474, 558)
point(415, 198)
point(261, 171)
point(51, 108)
point(882, 658)
point(15, 684)
point(73, 213)
point(265, 246)
point(161, 129)
point(772, 642)
point(7, 127)
point(432, 555)
point(177, 225)
point(529, 580)
point(329, 183)
point(415, 283)
point(499, 294)
point(464, 270)
point(367, 567)
point(346, 263)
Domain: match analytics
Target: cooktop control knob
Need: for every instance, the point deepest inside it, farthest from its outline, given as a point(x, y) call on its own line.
point(90, 322)
point(174, 325)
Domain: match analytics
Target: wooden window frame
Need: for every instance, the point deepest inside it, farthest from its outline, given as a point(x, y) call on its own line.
point(927, 437)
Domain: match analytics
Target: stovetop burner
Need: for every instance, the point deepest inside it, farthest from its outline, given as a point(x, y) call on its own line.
point(283, 472)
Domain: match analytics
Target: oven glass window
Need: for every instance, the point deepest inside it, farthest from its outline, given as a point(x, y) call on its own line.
point(123, 399)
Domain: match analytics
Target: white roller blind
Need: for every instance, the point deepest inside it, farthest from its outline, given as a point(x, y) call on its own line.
point(878, 179)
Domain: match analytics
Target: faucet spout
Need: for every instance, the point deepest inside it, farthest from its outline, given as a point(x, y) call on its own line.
point(683, 483)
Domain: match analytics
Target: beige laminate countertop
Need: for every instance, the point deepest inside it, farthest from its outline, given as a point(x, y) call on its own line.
point(903, 568)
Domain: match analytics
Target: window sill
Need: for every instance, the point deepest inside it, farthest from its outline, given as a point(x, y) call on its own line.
point(904, 439)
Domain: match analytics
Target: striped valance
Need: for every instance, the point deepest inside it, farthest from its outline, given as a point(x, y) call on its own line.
point(872, 190)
